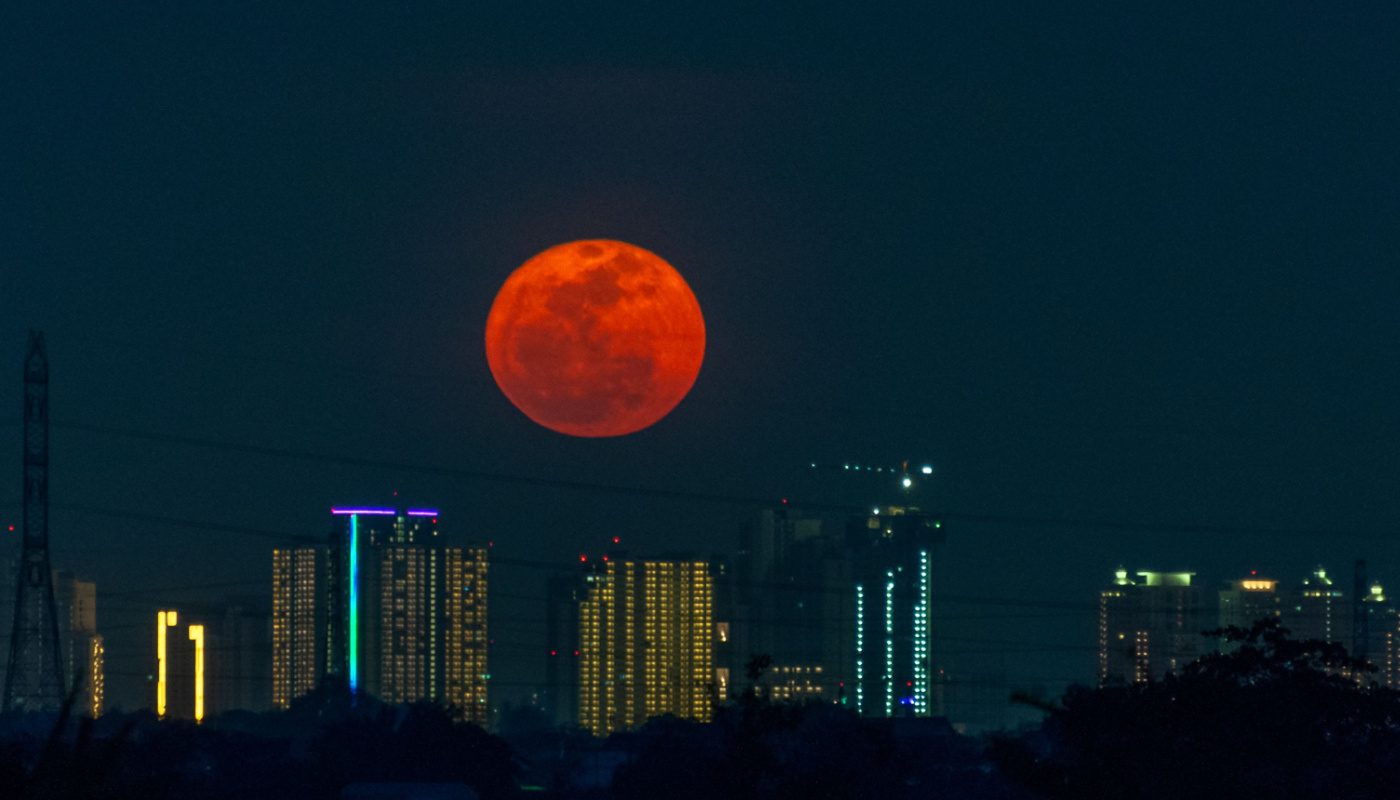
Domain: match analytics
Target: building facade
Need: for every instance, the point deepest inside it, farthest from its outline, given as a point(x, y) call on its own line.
point(239, 659)
point(83, 649)
point(1248, 600)
point(678, 629)
point(791, 593)
point(1316, 608)
point(646, 632)
point(1376, 640)
point(609, 663)
point(466, 674)
point(892, 553)
point(298, 622)
point(1148, 626)
point(406, 614)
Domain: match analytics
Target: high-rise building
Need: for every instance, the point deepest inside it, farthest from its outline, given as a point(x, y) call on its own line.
point(1379, 646)
point(1148, 627)
point(464, 609)
point(409, 632)
point(1385, 633)
point(210, 659)
point(239, 657)
point(678, 638)
point(84, 653)
point(791, 597)
point(358, 537)
point(406, 614)
point(609, 663)
point(646, 642)
point(180, 678)
point(1317, 609)
point(722, 581)
point(559, 696)
point(298, 622)
point(1248, 600)
point(892, 552)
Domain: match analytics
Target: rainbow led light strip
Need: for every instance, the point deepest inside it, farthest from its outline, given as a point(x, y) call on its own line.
point(354, 600)
point(380, 511)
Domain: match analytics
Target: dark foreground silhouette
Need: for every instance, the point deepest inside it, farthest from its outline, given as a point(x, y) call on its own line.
point(312, 751)
point(1271, 718)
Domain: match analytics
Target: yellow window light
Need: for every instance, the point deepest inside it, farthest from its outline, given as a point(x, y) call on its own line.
point(164, 619)
point(197, 636)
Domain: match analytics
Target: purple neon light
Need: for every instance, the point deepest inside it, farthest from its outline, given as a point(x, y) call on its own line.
point(384, 512)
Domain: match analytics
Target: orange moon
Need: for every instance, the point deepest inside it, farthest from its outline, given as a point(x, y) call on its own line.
point(595, 338)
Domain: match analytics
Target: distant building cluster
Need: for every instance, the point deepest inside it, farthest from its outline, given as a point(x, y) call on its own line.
point(1151, 623)
point(804, 613)
point(384, 607)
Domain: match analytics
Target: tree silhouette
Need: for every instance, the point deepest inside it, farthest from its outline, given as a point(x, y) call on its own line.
point(1274, 717)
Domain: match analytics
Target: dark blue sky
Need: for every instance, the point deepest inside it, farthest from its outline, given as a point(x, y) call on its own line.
point(1092, 263)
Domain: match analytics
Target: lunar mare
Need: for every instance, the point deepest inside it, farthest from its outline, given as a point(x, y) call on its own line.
point(595, 338)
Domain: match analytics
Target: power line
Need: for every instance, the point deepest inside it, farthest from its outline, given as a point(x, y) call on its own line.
point(549, 566)
point(442, 471)
point(951, 515)
point(220, 527)
point(562, 567)
point(107, 596)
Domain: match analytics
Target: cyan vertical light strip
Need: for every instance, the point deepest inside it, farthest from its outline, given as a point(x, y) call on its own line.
point(354, 637)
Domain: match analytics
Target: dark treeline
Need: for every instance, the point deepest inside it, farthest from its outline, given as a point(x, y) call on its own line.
point(1271, 717)
point(322, 744)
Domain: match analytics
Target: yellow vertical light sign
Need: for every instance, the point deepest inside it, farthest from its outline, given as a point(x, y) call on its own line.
point(164, 619)
point(197, 636)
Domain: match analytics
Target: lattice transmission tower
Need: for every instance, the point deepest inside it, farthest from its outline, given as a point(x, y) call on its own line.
point(34, 677)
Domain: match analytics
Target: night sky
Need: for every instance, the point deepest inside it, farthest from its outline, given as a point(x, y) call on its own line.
point(1098, 264)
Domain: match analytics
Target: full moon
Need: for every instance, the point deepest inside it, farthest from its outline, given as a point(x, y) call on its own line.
point(595, 338)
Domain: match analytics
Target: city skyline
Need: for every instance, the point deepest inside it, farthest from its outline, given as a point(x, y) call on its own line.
point(1124, 283)
point(785, 680)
